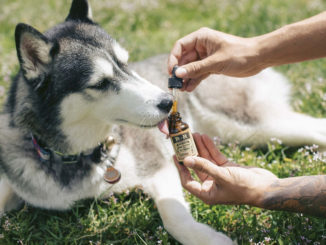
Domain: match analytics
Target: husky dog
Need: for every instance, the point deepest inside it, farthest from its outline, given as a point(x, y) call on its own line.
point(75, 89)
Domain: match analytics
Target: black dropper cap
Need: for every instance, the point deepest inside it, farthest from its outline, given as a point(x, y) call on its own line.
point(174, 81)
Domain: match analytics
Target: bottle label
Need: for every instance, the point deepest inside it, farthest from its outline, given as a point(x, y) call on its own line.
point(183, 144)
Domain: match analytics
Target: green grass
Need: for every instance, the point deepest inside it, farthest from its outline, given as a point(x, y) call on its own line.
point(147, 28)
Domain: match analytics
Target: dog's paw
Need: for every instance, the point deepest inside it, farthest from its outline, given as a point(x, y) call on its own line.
point(180, 224)
point(195, 233)
point(208, 236)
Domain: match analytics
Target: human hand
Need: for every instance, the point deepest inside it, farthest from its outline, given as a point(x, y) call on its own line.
point(207, 51)
point(222, 182)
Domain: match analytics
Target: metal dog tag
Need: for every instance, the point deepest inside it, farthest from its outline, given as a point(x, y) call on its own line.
point(112, 175)
point(109, 143)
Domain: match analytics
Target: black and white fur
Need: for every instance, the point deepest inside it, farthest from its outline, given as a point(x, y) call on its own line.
point(74, 86)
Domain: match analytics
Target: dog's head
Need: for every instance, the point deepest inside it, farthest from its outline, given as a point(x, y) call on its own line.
point(80, 79)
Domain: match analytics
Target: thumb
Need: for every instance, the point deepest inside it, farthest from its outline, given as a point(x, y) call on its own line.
point(194, 69)
point(204, 165)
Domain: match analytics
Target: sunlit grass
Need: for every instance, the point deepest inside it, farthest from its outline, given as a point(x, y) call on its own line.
point(150, 27)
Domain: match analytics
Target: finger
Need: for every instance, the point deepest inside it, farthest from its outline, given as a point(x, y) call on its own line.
point(206, 166)
point(214, 152)
point(184, 44)
point(203, 153)
point(196, 189)
point(197, 69)
point(184, 84)
point(172, 61)
point(184, 173)
point(174, 56)
point(193, 83)
point(187, 181)
point(191, 56)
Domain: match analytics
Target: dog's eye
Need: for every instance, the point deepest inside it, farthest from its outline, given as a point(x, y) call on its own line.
point(105, 84)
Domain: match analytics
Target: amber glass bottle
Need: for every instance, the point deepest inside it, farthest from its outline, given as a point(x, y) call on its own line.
point(181, 137)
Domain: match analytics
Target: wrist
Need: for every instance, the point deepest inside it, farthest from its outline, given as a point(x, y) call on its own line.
point(268, 47)
point(263, 192)
point(256, 55)
point(252, 195)
point(268, 193)
point(255, 197)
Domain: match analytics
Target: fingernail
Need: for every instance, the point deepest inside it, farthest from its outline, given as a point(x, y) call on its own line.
point(189, 161)
point(181, 72)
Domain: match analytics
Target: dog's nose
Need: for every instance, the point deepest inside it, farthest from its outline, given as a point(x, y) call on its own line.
point(165, 105)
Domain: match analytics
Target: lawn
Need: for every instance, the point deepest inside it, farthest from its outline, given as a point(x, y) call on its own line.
point(146, 28)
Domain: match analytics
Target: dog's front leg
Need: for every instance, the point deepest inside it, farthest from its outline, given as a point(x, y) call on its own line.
point(8, 199)
point(165, 188)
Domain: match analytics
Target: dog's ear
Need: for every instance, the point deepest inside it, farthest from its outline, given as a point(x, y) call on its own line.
point(80, 10)
point(34, 51)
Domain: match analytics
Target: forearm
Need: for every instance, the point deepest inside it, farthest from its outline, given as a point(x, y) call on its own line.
point(292, 43)
point(299, 194)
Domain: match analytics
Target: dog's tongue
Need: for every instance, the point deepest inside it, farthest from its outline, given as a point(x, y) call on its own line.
point(163, 127)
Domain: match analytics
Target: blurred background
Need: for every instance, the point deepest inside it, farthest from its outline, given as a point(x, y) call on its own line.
point(146, 28)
